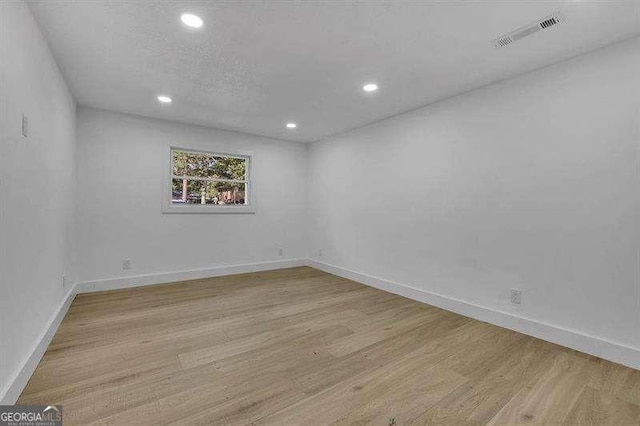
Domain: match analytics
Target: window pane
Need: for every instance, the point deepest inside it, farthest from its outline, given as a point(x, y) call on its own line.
point(197, 164)
point(202, 192)
point(230, 192)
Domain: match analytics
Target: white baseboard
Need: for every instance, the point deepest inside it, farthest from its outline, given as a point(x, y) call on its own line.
point(17, 383)
point(612, 351)
point(602, 348)
point(169, 277)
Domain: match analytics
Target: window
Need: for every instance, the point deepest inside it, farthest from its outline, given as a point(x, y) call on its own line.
point(208, 182)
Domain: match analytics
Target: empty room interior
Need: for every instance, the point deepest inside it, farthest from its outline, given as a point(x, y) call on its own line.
point(319, 212)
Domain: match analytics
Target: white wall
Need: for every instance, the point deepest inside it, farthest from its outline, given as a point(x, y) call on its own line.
point(532, 183)
point(36, 187)
point(121, 175)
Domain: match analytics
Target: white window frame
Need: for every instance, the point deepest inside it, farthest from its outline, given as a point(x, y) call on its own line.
point(167, 186)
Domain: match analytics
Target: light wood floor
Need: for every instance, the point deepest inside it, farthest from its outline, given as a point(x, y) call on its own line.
point(299, 346)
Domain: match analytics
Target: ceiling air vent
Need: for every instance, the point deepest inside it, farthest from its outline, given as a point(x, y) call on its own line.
point(525, 31)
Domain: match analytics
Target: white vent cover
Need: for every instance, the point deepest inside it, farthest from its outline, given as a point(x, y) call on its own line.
point(544, 24)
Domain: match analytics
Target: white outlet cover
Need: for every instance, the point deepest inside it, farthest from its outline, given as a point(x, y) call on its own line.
point(516, 296)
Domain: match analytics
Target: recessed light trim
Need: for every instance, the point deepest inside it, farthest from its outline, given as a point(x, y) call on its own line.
point(191, 20)
point(370, 87)
point(164, 99)
point(291, 125)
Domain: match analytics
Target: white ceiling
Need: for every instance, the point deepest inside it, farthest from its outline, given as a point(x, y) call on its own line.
point(257, 64)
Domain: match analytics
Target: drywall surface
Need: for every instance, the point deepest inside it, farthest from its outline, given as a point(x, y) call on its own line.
point(36, 188)
point(532, 183)
point(121, 176)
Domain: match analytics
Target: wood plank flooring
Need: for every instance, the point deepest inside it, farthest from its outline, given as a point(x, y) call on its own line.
point(299, 346)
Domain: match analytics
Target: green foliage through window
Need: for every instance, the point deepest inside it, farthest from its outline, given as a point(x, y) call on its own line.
point(207, 178)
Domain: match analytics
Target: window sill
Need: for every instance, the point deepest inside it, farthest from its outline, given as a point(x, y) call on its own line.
point(208, 209)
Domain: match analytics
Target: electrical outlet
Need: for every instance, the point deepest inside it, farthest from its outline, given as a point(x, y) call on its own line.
point(516, 296)
point(126, 264)
point(280, 252)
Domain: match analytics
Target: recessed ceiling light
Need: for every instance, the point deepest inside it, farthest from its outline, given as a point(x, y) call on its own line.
point(291, 125)
point(191, 20)
point(164, 99)
point(370, 87)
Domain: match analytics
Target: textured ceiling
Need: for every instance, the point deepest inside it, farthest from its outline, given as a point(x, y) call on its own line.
point(257, 64)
